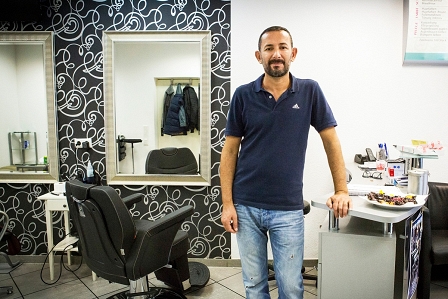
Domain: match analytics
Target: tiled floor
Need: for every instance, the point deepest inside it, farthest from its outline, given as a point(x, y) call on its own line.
point(225, 282)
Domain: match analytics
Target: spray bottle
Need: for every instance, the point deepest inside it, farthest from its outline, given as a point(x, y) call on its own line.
point(90, 176)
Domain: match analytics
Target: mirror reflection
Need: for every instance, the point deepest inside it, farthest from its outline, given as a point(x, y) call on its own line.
point(28, 129)
point(157, 100)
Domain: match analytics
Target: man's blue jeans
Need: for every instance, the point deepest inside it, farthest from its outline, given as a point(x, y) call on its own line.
point(285, 230)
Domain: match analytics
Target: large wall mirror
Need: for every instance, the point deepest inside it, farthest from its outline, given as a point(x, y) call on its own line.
point(143, 72)
point(28, 147)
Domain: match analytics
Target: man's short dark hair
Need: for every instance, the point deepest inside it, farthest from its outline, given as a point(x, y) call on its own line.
point(274, 28)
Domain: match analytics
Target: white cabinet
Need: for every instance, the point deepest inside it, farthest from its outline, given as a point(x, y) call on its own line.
point(357, 261)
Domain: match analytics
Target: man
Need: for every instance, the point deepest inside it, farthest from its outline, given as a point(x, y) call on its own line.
point(261, 183)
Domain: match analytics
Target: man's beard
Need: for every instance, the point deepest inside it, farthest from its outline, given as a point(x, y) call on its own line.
point(276, 72)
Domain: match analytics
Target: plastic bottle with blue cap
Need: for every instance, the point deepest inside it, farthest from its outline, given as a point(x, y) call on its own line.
point(381, 154)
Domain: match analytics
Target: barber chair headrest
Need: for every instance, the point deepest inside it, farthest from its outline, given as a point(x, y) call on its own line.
point(169, 151)
point(79, 190)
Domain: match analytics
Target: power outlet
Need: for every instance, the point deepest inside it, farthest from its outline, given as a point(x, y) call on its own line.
point(83, 143)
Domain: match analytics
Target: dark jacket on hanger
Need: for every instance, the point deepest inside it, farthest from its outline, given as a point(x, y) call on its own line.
point(176, 121)
point(169, 94)
point(191, 107)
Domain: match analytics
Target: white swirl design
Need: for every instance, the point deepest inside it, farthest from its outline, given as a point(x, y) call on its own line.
point(77, 27)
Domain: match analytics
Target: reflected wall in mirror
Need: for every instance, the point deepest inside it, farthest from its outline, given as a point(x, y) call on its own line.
point(28, 151)
point(140, 69)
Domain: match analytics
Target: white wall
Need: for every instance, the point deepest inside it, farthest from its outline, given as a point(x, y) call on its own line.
point(23, 97)
point(31, 95)
point(354, 50)
point(8, 96)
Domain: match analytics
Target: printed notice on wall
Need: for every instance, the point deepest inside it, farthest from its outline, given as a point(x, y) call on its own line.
point(427, 32)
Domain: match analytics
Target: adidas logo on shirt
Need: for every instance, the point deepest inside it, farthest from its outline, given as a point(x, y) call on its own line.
point(295, 106)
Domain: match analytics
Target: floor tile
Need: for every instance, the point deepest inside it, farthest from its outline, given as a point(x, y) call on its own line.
point(28, 268)
point(4, 277)
point(235, 283)
point(310, 290)
point(225, 282)
point(32, 282)
point(69, 290)
point(215, 291)
point(81, 271)
point(220, 273)
point(307, 295)
point(102, 286)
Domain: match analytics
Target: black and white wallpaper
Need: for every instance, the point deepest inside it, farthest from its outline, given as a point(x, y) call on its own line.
point(78, 26)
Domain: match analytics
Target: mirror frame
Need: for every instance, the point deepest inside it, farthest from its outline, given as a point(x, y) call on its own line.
point(44, 38)
point(204, 38)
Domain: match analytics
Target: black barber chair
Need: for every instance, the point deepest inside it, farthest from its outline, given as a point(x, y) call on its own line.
point(172, 161)
point(123, 250)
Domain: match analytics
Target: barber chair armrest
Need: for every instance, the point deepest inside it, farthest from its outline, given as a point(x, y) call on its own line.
point(154, 227)
point(153, 242)
point(132, 199)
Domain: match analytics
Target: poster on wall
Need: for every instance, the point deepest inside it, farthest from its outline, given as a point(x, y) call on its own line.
point(414, 254)
point(426, 37)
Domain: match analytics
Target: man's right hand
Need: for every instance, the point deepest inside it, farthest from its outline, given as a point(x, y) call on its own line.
point(229, 219)
point(229, 157)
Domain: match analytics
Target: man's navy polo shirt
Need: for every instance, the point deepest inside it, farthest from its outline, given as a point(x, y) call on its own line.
point(269, 171)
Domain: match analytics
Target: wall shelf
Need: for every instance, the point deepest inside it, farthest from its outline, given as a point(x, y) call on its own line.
point(22, 148)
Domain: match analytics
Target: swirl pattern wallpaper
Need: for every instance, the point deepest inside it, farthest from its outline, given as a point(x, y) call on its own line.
point(78, 28)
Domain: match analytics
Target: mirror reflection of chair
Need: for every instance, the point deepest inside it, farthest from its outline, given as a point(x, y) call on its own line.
point(125, 250)
point(171, 160)
point(8, 236)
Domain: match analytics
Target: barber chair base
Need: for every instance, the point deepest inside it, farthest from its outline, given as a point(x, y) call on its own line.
point(139, 290)
point(180, 273)
point(158, 293)
point(199, 275)
point(9, 289)
point(9, 266)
